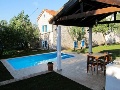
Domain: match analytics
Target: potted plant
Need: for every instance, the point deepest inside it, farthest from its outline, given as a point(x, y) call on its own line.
point(50, 66)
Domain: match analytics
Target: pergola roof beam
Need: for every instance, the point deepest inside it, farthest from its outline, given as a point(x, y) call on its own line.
point(112, 2)
point(90, 13)
point(115, 16)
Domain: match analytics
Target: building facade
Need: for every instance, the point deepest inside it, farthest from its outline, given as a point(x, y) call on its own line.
point(48, 32)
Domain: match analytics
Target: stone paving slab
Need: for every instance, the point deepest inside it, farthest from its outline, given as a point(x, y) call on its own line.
point(75, 69)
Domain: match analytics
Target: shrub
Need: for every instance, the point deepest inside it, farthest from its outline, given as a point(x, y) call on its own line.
point(81, 51)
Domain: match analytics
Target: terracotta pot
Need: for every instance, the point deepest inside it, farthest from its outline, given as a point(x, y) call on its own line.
point(50, 66)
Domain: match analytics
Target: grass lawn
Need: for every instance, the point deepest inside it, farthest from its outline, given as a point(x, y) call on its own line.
point(17, 53)
point(4, 73)
point(49, 81)
point(109, 48)
point(114, 49)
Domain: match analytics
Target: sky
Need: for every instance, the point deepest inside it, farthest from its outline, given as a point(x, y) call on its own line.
point(11, 8)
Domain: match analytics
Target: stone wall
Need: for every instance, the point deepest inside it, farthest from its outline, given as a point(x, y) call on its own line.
point(98, 39)
point(66, 40)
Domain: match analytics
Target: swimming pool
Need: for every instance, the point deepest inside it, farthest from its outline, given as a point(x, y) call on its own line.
point(33, 60)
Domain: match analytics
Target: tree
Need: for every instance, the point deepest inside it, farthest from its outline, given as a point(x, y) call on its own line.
point(107, 28)
point(1, 47)
point(117, 25)
point(77, 33)
point(25, 31)
point(7, 36)
point(102, 28)
point(3, 23)
point(19, 32)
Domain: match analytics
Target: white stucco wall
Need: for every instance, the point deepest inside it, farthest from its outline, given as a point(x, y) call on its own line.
point(44, 20)
point(45, 17)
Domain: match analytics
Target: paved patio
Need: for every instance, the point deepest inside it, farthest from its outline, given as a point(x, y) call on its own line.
point(73, 68)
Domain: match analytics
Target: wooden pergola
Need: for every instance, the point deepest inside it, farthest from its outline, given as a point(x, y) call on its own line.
point(84, 13)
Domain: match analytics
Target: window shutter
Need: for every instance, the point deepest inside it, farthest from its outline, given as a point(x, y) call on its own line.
point(46, 28)
point(42, 28)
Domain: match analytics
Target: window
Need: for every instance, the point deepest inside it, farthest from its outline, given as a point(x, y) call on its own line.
point(44, 28)
point(44, 44)
point(44, 15)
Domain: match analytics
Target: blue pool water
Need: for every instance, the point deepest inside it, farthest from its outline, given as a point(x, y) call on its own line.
point(33, 60)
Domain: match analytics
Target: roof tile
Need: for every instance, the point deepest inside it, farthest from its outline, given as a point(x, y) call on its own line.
point(51, 12)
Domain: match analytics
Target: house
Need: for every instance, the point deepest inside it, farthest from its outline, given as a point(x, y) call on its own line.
point(49, 34)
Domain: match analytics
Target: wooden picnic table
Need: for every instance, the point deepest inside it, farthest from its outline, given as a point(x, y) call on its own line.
point(99, 56)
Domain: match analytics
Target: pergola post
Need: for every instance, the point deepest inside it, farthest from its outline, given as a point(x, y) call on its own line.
point(59, 48)
point(90, 39)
